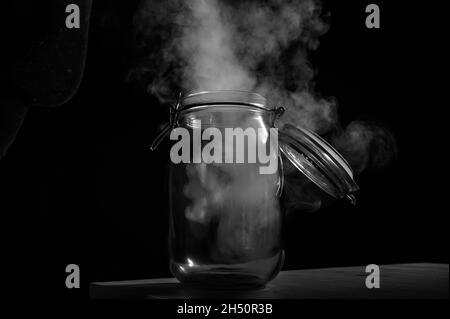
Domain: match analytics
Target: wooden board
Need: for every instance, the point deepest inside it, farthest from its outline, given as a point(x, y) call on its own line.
point(396, 281)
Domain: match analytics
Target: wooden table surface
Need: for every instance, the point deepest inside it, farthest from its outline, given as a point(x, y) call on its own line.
point(396, 282)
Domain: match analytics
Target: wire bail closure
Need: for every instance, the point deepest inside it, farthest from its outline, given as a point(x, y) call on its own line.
point(174, 112)
point(277, 113)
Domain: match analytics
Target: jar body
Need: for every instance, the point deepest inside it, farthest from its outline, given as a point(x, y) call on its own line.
point(225, 218)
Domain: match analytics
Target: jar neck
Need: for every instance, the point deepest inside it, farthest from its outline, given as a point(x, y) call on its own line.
point(225, 115)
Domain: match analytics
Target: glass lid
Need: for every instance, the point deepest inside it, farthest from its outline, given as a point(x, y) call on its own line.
point(318, 161)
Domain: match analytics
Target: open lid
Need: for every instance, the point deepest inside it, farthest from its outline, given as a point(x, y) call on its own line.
point(318, 161)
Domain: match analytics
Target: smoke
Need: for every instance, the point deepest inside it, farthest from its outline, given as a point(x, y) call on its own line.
point(366, 145)
point(248, 222)
point(258, 46)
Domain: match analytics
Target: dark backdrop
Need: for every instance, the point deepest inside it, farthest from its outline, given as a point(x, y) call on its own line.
point(80, 185)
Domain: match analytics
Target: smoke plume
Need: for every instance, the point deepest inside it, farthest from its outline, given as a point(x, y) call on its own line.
point(258, 46)
point(366, 145)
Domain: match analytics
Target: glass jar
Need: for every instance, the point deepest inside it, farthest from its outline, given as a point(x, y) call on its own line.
point(225, 216)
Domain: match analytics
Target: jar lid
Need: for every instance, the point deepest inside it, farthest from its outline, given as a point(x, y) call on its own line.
point(318, 161)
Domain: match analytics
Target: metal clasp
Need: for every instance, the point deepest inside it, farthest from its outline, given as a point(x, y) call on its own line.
point(174, 112)
point(277, 113)
point(351, 198)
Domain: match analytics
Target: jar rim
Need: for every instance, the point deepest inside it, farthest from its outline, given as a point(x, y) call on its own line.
point(223, 97)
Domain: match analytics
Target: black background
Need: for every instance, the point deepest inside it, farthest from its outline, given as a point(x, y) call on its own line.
point(80, 185)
